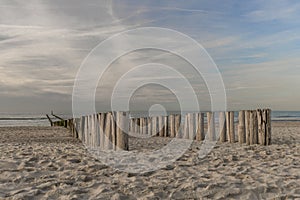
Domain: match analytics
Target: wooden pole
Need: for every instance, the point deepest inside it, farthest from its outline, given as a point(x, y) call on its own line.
point(253, 128)
point(177, 125)
point(172, 126)
point(251, 137)
point(87, 130)
point(165, 118)
point(92, 133)
point(102, 130)
point(268, 127)
point(61, 119)
point(82, 126)
point(154, 126)
point(138, 125)
point(247, 126)
point(191, 122)
point(114, 130)
point(98, 135)
point(160, 126)
point(186, 127)
point(90, 130)
point(211, 126)
point(145, 128)
point(232, 128)
point(122, 130)
point(228, 125)
point(222, 126)
point(150, 126)
point(108, 137)
point(200, 127)
point(241, 127)
point(51, 123)
point(131, 127)
point(141, 125)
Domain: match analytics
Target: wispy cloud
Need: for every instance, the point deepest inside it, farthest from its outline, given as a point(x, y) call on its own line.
point(255, 44)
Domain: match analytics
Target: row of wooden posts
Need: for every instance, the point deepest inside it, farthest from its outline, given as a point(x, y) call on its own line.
point(110, 130)
point(254, 126)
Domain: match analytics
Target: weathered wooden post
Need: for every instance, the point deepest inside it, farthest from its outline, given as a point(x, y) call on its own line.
point(114, 130)
point(86, 130)
point(269, 127)
point(141, 125)
point(200, 127)
point(186, 127)
point(134, 125)
point(95, 123)
point(154, 126)
point(90, 131)
point(145, 126)
point(160, 126)
point(149, 126)
point(241, 127)
point(137, 125)
point(102, 130)
point(93, 131)
point(172, 126)
point(99, 131)
point(165, 125)
point(82, 126)
point(222, 127)
point(259, 126)
point(228, 125)
point(131, 125)
point(108, 136)
point(191, 118)
point(232, 128)
point(253, 128)
point(211, 126)
point(247, 126)
point(177, 125)
point(122, 130)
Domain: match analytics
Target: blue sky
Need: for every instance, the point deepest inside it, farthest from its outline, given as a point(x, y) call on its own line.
point(255, 44)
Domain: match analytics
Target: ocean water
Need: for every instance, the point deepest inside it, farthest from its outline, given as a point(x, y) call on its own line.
point(8, 119)
point(14, 119)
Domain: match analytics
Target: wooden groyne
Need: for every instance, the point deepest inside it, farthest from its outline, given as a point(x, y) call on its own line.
point(109, 130)
point(251, 126)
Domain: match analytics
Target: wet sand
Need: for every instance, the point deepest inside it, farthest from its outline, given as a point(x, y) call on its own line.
point(46, 163)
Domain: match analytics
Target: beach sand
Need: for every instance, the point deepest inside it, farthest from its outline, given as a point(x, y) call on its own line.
point(46, 163)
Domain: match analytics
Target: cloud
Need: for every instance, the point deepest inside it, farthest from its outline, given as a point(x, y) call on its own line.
point(42, 45)
point(282, 10)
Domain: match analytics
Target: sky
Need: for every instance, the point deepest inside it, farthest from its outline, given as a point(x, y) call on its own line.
point(255, 45)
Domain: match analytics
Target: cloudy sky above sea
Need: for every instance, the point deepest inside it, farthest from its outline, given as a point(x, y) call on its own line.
point(255, 44)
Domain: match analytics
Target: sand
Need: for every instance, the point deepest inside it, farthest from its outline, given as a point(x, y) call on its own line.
point(46, 163)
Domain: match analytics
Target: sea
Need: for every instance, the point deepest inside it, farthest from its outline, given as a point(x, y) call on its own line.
point(14, 119)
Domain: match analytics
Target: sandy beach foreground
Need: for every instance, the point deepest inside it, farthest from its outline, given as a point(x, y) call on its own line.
point(46, 163)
